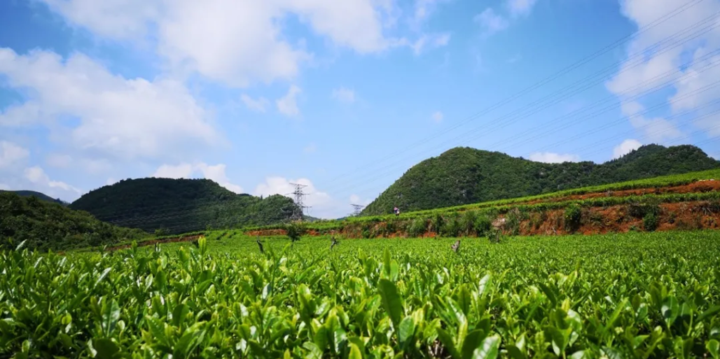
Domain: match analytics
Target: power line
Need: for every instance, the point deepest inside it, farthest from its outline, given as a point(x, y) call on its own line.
point(540, 83)
point(298, 193)
point(357, 208)
point(572, 90)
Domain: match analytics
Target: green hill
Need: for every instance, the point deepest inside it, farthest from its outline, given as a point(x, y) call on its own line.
point(181, 205)
point(39, 195)
point(48, 225)
point(466, 175)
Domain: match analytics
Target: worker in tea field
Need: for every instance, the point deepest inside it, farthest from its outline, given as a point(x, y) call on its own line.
point(397, 211)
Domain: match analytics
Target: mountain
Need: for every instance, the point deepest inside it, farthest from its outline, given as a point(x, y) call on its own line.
point(181, 205)
point(465, 175)
point(47, 225)
point(39, 195)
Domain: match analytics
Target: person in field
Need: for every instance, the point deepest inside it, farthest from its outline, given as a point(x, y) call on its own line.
point(396, 211)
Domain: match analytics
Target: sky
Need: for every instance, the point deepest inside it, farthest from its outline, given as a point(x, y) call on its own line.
point(342, 96)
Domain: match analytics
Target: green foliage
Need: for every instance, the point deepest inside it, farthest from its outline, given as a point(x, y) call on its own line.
point(650, 295)
point(483, 225)
point(295, 231)
point(50, 226)
point(572, 218)
point(466, 175)
point(181, 205)
point(39, 195)
point(650, 222)
point(417, 227)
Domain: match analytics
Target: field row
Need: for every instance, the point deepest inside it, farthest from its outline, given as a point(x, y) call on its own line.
point(618, 296)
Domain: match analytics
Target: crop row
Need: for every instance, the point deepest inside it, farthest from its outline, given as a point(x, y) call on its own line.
point(630, 296)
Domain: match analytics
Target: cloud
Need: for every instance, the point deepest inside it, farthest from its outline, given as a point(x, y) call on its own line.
point(5, 187)
point(344, 95)
point(110, 181)
point(491, 22)
point(58, 160)
point(257, 105)
point(438, 116)
point(11, 153)
point(423, 10)
point(322, 204)
point(186, 170)
point(117, 117)
point(549, 157)
point(653, 64)
point(655, 129)
point(625, 147)
point(287, 105)
point(429, 41)
point(520, 7)
point(235, 42)
point(355, 199)
point(311, 148)
point(37, 176)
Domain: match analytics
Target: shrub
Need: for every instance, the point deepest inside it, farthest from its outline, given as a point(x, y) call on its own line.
point(573, 218)
point(650, 222)
point(417, 227)
point(295, 231)
point(467, 222)
point(483, 224)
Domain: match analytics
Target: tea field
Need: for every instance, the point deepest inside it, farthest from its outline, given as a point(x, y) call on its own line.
point(634, 295)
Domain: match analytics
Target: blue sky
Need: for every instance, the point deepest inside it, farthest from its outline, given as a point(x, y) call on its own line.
point(342, 96)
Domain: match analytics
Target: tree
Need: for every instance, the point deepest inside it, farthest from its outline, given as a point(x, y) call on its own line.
point(295, 231)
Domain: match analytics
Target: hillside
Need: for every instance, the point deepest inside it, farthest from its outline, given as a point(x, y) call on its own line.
point(52, 226)
point(465, 175)
point(39, 195)
point(181, 205)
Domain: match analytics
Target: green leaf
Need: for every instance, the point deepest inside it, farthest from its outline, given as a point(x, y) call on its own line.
point(515, 352)
point(489, 349)
point(472, 341)
point(708, 313)
point(179, 313)
point(111, 314)
point(670, 310)
point(406, 330)
point(713, 347)
point(447, 340)
point(391, 301)
point(484, 285)
point(105, 348)
point(354, 352)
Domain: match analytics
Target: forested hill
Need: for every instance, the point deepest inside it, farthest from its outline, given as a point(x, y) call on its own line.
point(181, 205)
point(39, 195)
point(44, 225)
point(466, 175)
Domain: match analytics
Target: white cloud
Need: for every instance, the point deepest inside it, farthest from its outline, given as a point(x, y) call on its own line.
point(126, 118)
point(429, 41)
point(549, 157)
point(491, 22)
point(110, 181)
point(311, 148)
point(438, 116)
point(187, 170)
point(520, 7)
point(58, 160)
point(655, 129)
point(625, 147)
point(323, 205)
point(236, 42)
point(654, 63)
point(257, 105)
point(37, 176)
point(423, 10)
point(355, 199)
point(287, 105)
point(344, 95)
point(11, 153)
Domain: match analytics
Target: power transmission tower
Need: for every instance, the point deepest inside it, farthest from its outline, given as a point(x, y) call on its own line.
point(358, 208)
point(299, 194)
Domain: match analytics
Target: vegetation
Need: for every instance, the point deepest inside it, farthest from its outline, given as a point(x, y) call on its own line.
point(619, 296)
point(466, 175)
point(44, 225)
point(39, 195)
point(181, 205)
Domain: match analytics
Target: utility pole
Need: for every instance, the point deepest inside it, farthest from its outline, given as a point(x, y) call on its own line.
point(299, 194)
point(358, 208)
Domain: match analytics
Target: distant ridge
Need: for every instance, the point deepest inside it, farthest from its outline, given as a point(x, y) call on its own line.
point(181, 205)
point(42, 196)
point(466, 175)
